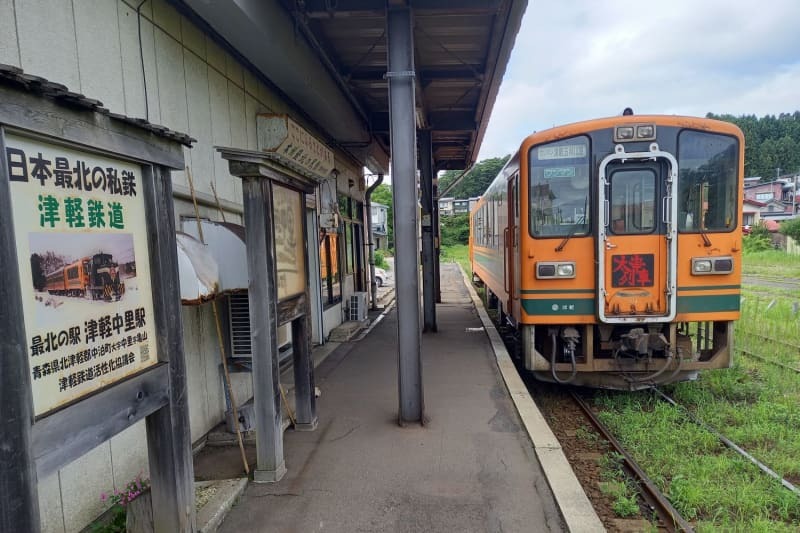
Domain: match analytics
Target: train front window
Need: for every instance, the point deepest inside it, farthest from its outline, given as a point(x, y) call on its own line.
point(559, 188)
point(707, 182)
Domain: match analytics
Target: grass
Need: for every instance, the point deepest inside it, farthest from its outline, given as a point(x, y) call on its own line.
point(458, 253)
point(771, 263)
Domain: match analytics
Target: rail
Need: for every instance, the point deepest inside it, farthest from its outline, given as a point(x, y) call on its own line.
point(667, 514)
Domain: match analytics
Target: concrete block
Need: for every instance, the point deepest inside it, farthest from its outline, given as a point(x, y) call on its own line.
point(167, 18)
point(9, 49)
point(56, 56)
point(82, 482)
point(250, 83)
point(197, 382)
point(132, 86)
point(223, 494)
point(234, 70)
point(251, 109)
point(96, 22)
point(570, 497)
point(51, 514)
point(216, 56)
point(129, 455)
point(171, 82)
point(237, 115)
point(198, 103)
point(193, 38)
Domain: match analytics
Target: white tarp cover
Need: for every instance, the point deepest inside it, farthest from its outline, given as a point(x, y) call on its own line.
point(198, 271)
point(225, 243)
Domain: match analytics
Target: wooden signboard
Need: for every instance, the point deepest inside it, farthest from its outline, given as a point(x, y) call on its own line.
point(90, 314)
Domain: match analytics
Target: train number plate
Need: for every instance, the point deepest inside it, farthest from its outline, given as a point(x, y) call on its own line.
point(632, 270)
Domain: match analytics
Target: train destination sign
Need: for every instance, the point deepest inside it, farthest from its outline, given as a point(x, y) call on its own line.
point(559, 172)
point(80, 227)
point(565, 151)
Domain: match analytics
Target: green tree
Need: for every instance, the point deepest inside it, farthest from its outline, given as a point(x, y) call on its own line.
point(475, 182)
point(770, 142)
point(383, 195)
point(454, 229)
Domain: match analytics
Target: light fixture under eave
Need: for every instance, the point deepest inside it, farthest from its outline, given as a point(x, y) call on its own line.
point(419, 115)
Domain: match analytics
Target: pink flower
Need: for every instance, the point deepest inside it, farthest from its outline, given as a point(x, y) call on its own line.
point(103, 496)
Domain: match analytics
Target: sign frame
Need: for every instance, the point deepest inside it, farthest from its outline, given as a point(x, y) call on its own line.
point(31, 449)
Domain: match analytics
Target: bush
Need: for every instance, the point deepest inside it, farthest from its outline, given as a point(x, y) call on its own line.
point(758, 240)
point(380, 259)
point(791, 228)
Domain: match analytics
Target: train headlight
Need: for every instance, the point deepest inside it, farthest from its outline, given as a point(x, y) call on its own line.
point(712, 265)
point(565, 271)
point(623, 133)
point(646, 132)
point(555, 269)
point(635, 132)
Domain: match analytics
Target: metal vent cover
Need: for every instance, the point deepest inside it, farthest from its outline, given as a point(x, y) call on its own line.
point(239, 316)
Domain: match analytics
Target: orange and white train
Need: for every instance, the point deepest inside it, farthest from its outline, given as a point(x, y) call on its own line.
point(614, 248)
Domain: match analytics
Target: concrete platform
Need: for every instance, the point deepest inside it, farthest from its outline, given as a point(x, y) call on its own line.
point(472, 467)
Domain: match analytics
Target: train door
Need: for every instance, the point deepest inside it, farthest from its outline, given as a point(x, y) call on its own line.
point(637, 239)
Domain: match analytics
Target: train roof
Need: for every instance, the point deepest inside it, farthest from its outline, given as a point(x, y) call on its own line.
point(575, 128)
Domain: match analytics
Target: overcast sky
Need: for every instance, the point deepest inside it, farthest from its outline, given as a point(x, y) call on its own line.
point(582, 59)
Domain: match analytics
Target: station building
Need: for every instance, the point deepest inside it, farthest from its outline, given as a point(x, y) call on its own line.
point(240, 75)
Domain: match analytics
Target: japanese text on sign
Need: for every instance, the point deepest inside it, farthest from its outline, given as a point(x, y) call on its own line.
point(81, 234)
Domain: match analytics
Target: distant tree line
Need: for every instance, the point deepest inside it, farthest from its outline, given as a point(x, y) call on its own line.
point(772, 143)
point(475, 182)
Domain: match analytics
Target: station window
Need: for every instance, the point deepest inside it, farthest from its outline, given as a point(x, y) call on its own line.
point(329, 268)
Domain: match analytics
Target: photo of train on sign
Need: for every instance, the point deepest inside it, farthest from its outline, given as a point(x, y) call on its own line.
point(95, 277)
point(613, 247)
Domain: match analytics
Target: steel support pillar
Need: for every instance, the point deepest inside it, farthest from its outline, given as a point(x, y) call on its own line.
point(400, 51)
point(263, 295)
point(428, 232)
point(437, 241)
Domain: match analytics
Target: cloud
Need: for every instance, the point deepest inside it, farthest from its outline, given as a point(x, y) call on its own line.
point(582, 59)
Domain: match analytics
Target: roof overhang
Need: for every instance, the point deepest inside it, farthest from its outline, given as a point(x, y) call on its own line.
point(330, 60)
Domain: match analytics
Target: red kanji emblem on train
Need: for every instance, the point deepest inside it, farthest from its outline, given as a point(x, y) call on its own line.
point(635, 270)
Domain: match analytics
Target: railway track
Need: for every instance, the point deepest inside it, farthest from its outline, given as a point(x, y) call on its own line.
point(729, 443)
point(670, 518)
point(771, 340)
point(768, 360)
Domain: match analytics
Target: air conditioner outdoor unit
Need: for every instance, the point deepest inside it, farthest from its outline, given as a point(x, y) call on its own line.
point(358, 306)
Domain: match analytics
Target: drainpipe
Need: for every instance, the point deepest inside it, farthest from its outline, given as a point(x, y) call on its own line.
point(373, 287)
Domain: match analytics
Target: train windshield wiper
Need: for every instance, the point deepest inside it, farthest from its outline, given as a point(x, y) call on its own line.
point(572, 230)
point(704, 235)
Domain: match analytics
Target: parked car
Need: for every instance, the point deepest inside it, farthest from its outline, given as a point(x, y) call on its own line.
point(380, 276)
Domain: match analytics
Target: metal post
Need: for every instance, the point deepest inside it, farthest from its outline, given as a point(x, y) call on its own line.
point(263, 297)
point(437, 241)
point(428, 246)
point(404, 190)
point(19, 503)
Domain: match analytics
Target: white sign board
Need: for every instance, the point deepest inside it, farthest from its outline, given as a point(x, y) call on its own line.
point(80, 226)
